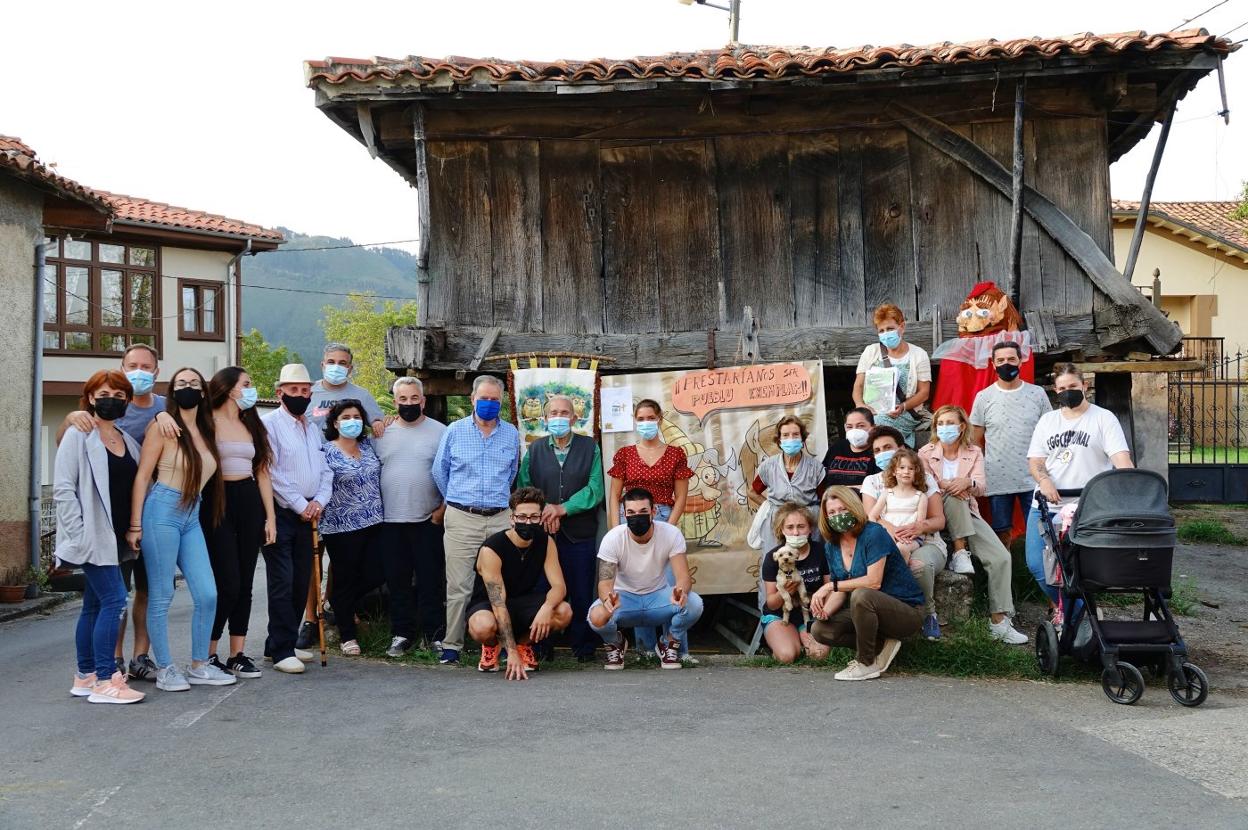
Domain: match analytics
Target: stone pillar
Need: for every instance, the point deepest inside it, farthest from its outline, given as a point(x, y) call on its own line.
point(1150, 417)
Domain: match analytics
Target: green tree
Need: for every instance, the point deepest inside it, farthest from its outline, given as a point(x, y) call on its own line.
point(362, 325)
point(264, 362)
point(1241, 212)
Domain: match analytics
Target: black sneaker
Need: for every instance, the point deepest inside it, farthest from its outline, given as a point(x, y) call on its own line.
point(215, 661)
point(307, 635)
point(119, 664)
point(398, 647)
point(142, 668)
point(240, 665)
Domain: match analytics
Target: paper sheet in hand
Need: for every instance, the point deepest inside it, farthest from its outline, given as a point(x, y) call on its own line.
point(879, 388)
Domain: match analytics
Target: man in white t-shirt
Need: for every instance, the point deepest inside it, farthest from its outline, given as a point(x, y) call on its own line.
point(1003, 418)
point(632, 583)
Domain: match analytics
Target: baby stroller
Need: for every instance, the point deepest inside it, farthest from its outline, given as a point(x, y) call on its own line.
point(1121, 541)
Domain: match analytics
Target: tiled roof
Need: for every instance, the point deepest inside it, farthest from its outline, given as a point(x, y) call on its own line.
point(133, 209)
point(1212, 219)
point(17, 158)
point(742, 62)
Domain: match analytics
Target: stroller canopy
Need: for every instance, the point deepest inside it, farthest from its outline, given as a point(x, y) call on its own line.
point(1124, 509)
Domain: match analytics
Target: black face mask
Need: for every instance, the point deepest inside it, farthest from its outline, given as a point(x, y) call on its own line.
point(410, 412)
point(1007, 372)
point(188, 398)
point(1070, 399)
point(110, 409)
point(528, 531)
point(639, 525)
point(295, 405)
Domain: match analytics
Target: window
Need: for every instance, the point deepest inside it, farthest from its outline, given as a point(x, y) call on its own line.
point(99, 297)
point(201, 310)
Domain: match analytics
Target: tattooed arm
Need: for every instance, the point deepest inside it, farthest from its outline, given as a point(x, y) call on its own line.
point(606, 578)
point(490, 567)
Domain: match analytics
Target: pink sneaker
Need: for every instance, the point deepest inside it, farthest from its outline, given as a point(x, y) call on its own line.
point(82, 685)
point(114, 690)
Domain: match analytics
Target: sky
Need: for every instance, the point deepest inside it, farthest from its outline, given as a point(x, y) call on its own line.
point(204, 105)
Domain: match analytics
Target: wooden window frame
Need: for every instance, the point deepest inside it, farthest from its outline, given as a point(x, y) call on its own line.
point(56, 263)
point(199, 286)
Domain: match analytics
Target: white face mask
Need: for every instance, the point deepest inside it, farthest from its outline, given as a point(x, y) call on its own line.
point(796, 541)
point(856, 437)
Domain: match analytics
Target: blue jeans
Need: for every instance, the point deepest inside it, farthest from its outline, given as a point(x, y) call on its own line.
point(646, 635)
point(1035, 554)
point(103, 604)
point(172, 538)
point(652, 609)
point(1002, 507)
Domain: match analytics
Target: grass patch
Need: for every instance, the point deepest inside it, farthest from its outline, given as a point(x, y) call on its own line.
point(1184, 600)
point(1210, 455)
point(1209, 532)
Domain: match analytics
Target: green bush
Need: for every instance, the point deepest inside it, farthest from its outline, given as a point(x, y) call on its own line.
point(1208, 531)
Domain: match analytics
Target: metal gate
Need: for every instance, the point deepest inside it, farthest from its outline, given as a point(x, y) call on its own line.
point(1208, 425)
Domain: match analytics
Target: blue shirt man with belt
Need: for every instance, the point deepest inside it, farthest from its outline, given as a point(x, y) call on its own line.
point(476, 464)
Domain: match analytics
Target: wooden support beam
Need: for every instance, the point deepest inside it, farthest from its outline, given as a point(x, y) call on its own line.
point(1133, 316)
point(364, 114)
point(422, 216)
point(488, 339)
point(749, 336)
point(1043, 330)
point(1142, 366)
point(1138, 128)
point(1141, 217)
point(1014, 290)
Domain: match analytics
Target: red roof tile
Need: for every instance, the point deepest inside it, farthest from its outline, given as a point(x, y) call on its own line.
point(741, 62)
point(18, 159)
point(145, 212)
point(1212, 219)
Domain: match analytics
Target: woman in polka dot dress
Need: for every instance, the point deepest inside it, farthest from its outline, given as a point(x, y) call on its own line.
point(661, 469)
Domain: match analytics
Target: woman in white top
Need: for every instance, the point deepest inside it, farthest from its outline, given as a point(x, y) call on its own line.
point(1069, 446)
point(914, 372)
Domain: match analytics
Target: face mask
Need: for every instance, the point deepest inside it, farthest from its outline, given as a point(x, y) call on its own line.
point(110, 409)
point(295, 405)
point(335, 374)
point(882, 458)
point(141, 380)
point(639, 525)
point(351, 428)
point(647, 429)
point(558, 427)
point(890, 339)
point(410, 412)
point(948, 433)
point(528, 531)
point(796, 541)
point(188, 398)
point(842, 522)
point(856, 437)
point(248, 399)
point(791, 446)
point(1070, 398)
point(487, 410)
point(1007, 372)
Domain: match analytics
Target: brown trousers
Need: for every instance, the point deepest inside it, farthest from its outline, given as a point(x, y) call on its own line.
point(868, 619)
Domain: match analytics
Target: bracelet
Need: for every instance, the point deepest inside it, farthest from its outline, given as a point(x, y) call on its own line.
point(835, 586)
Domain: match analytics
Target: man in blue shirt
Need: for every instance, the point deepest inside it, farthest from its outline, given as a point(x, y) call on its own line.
point(477, 460)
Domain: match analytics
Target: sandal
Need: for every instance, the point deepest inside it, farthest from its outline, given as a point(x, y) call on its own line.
point(350, 648)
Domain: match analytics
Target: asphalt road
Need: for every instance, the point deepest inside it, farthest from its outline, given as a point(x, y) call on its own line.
point(370, 745)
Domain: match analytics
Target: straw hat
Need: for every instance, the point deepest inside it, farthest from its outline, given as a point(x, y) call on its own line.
point(294, 373)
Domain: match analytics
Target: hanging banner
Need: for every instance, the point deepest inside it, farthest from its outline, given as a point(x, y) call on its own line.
point(725, 422)
point(531, 388)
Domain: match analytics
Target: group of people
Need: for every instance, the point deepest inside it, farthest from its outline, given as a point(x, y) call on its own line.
point(473, 537)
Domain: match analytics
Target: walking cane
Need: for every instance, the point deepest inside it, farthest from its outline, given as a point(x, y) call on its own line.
point(314, 590)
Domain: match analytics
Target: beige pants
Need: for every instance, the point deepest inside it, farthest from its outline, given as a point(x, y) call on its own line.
point(464, 534)
point(933, 559)
point(984, 545)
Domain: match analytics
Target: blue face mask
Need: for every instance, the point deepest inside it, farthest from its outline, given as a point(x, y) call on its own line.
point(890, 339)
point(248, 399)
point(791, 446)
point(334, 374)
point(882, 458)
point(487, 410)
point(948, 433)
point(351, 428)
point(558, 427)
point(142, 381)
point(647, 429)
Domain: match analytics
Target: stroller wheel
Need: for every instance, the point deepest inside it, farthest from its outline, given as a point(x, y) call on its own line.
point(1191, 688)
point(1046, 649)
point(1123, 683)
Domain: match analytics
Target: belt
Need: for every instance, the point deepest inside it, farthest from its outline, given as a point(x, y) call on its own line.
point(477, 511)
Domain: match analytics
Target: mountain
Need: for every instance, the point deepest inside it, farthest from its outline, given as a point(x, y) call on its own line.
point(284, 291)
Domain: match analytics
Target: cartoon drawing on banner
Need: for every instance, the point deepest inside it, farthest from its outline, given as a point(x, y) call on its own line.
point(702, 508)
point(760, 442)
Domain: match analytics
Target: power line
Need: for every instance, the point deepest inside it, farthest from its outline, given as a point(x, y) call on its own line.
point(1236, 29)
point(1202, 14)
point(339, 247)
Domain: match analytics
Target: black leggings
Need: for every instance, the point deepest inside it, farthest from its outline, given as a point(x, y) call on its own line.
point(233, 547)
point(356, 559)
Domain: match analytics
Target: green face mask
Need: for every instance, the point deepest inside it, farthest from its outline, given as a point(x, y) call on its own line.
point(842, 522)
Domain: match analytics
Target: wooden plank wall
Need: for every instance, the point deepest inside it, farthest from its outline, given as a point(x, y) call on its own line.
point(809, 229)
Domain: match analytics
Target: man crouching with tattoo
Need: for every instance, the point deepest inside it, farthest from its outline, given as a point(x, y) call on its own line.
point(508, 608)
point(633, 589)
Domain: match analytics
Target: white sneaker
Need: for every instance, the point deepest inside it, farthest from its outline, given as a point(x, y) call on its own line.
point(1006, 632)
point(171, 679)
point(305, 656)
point(857, 671)
point(961, 563)
point(888, 652)
point(289, 665)
point(209, 675)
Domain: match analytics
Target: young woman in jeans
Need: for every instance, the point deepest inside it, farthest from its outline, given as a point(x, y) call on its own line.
point(235, 532)
point(92, 486)
point(164, 523)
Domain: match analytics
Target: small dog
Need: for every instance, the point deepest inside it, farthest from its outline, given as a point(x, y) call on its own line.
point(786, 560)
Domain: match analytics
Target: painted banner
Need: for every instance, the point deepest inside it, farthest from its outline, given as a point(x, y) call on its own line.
point(533, 387)
point(724, 420)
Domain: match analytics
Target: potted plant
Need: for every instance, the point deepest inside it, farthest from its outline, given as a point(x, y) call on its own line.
point(12, 586)
point(37, 581)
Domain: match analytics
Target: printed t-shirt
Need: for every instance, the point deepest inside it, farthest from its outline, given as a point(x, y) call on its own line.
point(812, 569)
point(1009, 418)
point(1075, 450)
